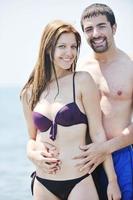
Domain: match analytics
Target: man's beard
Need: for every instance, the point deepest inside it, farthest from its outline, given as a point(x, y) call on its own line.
point(99, 49)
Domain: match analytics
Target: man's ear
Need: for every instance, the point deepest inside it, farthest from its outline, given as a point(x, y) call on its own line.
point(114, 27)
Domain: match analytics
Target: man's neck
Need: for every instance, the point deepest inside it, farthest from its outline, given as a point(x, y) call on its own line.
point(107, 57)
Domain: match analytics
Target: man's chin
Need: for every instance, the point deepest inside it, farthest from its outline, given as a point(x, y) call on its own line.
point(99, 50)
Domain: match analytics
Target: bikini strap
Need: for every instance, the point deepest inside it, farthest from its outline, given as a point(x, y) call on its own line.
point(74, 86)
point(33, 176)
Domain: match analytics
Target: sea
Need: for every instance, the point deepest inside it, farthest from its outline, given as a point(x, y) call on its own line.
point(15, 168)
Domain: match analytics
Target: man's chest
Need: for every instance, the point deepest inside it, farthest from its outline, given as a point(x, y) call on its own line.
point(113, 84)
point(114, 88)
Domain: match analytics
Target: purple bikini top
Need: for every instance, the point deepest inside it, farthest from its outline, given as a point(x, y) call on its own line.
point(68, 115)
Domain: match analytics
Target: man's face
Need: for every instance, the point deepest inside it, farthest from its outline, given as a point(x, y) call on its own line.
point(99, 33)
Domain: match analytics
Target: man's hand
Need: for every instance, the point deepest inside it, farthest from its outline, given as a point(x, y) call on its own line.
point(47, 159)
point(91, 156)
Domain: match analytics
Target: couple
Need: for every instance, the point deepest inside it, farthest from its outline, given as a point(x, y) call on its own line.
point(62, 107)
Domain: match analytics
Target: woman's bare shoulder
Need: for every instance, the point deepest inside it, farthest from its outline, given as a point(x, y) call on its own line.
point(83, 76)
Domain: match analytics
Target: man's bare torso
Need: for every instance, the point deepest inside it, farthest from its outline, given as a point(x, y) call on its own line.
point(115, 82)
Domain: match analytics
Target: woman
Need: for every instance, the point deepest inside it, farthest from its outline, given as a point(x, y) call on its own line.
point(58, 105)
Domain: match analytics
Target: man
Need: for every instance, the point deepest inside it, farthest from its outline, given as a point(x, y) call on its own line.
point(112, 71)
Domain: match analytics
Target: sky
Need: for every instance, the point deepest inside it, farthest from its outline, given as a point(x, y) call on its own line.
point(22, 23)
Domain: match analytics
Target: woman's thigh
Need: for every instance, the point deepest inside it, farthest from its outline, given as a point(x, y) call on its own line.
point(84, 190)
point(41, 193)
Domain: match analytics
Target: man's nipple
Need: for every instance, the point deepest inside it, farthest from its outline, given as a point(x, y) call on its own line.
point(119, 92)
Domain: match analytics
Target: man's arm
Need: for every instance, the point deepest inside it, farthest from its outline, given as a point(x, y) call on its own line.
point(96, 153)
point(121, 141)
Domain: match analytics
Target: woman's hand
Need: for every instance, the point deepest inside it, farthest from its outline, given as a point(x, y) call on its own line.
point(113, 191)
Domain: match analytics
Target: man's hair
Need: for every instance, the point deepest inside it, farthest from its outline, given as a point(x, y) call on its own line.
point(97, 9)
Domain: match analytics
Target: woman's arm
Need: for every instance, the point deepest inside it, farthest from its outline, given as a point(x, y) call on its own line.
point(91, 103)
point(44, 159)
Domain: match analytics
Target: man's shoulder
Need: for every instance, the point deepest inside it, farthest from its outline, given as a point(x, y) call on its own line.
point(125, 59)
point(126, 56)
point(129, 61)
point(131, 57)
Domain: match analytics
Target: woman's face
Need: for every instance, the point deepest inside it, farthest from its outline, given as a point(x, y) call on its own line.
point(65, 51)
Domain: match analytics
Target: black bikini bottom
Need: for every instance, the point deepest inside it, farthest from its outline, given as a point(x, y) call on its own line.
point(61, 188)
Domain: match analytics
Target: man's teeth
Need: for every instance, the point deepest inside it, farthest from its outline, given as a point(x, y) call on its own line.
point(98, 41)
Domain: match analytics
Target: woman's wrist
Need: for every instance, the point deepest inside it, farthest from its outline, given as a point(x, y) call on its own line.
point(112, 178)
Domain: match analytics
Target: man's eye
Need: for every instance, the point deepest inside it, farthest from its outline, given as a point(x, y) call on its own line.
point(88, 30)
point(103, 26)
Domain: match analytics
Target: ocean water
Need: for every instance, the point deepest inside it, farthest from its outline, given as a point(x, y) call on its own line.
point(15, 168)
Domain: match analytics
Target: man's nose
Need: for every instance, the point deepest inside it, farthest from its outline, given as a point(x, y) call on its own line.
point(96, 32)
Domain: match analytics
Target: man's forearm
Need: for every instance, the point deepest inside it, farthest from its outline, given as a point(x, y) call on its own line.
point(121, 141)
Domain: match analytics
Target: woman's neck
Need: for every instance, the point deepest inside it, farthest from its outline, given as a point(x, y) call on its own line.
point(60, 74)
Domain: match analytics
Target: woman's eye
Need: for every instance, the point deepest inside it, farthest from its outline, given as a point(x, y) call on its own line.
point(74, 47)
point(61, 46)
